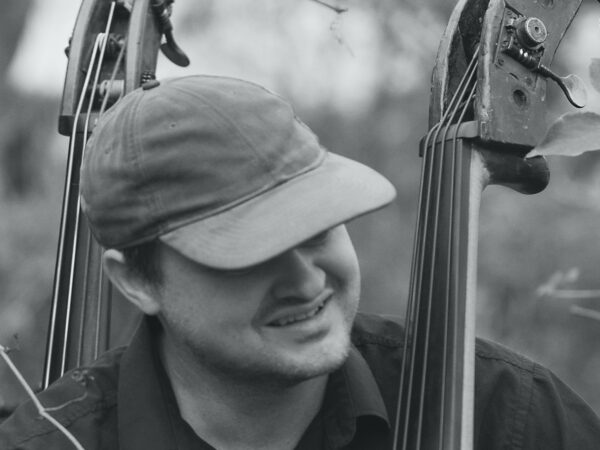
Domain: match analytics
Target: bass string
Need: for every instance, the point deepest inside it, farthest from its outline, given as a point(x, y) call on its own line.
point(100, 275)
point(418, 256)
point(113, 77)
point(98, 346)
point(97, 61)
point(102, 40)
point(466, 409)
point(408, 326)
point(447, 120)
point(437, 194)
point(62, 244)
point(452, 265)
point(412, 313)
point(98, 316)
point(84, 303)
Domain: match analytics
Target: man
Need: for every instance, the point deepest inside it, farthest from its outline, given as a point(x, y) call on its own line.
point(223, 219)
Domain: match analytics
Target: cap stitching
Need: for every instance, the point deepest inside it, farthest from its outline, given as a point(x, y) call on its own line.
point(192, 218)
point(153, 202)
point(160, 229)
point(263, 161)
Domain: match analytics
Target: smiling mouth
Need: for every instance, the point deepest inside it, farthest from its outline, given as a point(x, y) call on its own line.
point(289, 320)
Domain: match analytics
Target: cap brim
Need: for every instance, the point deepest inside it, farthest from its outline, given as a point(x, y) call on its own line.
point(267, 225)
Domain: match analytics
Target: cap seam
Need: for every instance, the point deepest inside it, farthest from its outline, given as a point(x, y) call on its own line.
point(153, 202)
point(237, 202)
point(274, 180)
point(157, 180)
point(225, 119)
point(159, 230)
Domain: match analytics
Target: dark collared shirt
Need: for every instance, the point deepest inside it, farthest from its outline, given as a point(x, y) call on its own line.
point(124, 401)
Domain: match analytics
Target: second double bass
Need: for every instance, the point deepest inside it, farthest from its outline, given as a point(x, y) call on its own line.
point(487, 111)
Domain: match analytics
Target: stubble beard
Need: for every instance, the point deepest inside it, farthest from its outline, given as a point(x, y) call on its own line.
point(272, 370)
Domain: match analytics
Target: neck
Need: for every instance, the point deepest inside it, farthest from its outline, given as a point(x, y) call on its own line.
point(266, 415)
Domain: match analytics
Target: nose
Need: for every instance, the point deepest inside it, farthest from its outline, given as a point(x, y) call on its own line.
point(299, 276)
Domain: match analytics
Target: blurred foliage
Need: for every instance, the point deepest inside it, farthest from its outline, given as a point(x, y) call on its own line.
point(361, 81)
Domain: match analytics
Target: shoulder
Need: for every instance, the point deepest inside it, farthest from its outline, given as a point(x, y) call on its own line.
point(529, 404)
point(518, 402)
point(492, 360)
point(383, 336)
point(83, 400)
point(533, 407)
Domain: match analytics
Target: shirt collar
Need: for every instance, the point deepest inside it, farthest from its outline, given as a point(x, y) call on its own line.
point(148, 417)
point(144, 420)
point(352, 394)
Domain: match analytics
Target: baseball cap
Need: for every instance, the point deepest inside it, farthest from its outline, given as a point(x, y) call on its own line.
point(221, 170)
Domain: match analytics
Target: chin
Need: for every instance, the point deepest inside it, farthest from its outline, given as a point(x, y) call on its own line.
point(322, 361)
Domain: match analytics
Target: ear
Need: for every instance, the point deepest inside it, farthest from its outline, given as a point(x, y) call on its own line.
point(137, 290)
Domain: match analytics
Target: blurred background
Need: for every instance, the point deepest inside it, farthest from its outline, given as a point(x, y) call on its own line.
point(361, 80)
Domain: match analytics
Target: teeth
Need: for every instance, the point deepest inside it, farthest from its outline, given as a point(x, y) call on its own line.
point(298, 318)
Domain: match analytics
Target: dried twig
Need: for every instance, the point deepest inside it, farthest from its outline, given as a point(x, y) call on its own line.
point(585, 312)
point(335, 25)
point(41, 410)
point(337, 9)
point(575, 293)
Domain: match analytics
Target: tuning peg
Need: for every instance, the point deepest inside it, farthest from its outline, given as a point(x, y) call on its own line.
point(172, 51)
point(169, 48)
point(527, 36)
point(571, 85)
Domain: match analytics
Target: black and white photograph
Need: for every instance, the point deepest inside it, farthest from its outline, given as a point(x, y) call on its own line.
point(300, 225)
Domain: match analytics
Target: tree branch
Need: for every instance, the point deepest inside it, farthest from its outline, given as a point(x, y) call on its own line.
point(586, 312)
point(337, 9)
point(41, 410)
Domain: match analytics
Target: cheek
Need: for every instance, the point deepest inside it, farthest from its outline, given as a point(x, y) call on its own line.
point(343, 273)
point(196, 307)
point(182, 307)
point(342, 263)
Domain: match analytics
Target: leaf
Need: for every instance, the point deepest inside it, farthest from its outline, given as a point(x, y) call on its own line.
point(571, 135)
point(595, 73)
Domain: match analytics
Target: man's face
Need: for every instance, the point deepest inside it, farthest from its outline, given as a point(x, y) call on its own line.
point(287, 319)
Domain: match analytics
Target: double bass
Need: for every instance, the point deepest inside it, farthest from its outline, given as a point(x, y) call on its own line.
point(113, 50)
point(486, 112)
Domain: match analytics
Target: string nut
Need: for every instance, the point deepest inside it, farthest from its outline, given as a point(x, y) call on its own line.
point(150, 84)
